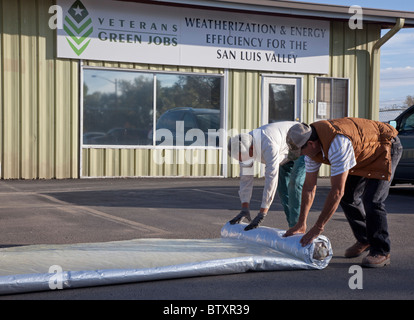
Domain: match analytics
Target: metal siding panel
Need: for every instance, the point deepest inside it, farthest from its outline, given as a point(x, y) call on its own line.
point(233, 115)
point(11, 98)
point(104, 161)
point(196, 171)
point(74, 121)
point(111, 163)
point(252, 91)
point(308, 96)
point(357, 67)
point(169, 167)
point(29, 100)
point(350, 66)
point(97, 162)
point(93, 63)
point(239, 100)
point(361, 88)
point(109, 64)
point(244, 106)
point(46, 94)
point(325, 171)
point(85, 163)
point(156, 169)
point(141, 162)
point(374, 34)
point(337, 66)
point(182, 168)
point(93, 166)
point(127, 160)
point(28, 62)
point(213, 160)
point(62, 115)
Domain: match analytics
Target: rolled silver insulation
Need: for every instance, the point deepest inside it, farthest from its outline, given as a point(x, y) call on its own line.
point(47, 267)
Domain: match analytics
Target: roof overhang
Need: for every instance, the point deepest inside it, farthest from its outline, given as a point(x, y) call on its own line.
point(386, 18)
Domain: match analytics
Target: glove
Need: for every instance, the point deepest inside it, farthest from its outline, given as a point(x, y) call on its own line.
point(244, 213)
point(256, 221)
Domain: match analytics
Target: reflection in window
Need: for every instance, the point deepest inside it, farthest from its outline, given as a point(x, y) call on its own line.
point(281, 102)
point(118, 108)
point(188, 102)
point(331, 98)
point(407, 124)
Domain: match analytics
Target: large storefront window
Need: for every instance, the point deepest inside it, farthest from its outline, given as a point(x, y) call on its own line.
point(122, 108)
point(188, 110)
point(331, 98)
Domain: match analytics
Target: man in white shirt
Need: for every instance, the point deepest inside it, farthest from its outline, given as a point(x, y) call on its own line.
point(267, 145)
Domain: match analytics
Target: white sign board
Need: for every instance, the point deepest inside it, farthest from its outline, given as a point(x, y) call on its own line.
point(156, 34)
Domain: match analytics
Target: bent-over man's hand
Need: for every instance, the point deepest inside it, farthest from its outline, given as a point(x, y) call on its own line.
point(311, 235)
point(294, 230)
point(256, 221)
point(244, 213)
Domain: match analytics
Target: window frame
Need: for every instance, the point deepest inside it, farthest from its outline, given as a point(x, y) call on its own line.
point(223, 107)
point(315, 109)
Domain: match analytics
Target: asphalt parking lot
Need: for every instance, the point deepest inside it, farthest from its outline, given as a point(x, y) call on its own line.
point(101, 210)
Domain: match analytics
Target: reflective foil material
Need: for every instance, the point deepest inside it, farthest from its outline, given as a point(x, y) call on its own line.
point(316, 255)
point(47, 267)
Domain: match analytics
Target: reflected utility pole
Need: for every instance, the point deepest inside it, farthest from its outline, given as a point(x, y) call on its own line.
point(115, 82)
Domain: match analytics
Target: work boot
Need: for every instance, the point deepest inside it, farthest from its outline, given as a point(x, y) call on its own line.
point(356, 250)
point(255, 222)
point(376, 260)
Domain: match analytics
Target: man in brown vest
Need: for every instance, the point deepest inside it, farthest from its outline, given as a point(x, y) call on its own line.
point(363, 155)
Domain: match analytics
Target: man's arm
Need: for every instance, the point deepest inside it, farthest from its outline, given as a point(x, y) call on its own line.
point(272, 158)
point(308, 195)
point(246, 188)
point(245, 194)
point(331, 204)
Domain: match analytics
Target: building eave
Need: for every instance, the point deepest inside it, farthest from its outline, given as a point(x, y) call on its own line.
point(386, 18)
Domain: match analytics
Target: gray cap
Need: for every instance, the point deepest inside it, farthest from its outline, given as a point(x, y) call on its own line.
point(297, 137)
point(240, 143)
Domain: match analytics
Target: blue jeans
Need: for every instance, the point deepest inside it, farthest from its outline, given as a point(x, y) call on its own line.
point(363, 205)
point(291, 178)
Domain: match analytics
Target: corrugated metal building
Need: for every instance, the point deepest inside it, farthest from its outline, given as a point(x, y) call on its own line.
point(86, 85)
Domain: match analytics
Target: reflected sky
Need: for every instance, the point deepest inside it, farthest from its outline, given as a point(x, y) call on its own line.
point(104, 80)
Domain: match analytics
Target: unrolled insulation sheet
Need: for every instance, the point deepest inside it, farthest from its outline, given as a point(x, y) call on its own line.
point(47, 267)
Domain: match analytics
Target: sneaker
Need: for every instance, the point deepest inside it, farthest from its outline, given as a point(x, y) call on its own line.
point(376, 260)
point(255, 222)
point(356, 250)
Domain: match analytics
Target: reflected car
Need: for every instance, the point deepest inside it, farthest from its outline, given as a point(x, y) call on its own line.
point(202, 119)
point(89, 137)
point(121, 136)
point(404, 123)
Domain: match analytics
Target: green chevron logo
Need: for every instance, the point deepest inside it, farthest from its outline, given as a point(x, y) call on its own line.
point(78, 26)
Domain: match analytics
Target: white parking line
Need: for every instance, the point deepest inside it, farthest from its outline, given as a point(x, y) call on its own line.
point(223, 194)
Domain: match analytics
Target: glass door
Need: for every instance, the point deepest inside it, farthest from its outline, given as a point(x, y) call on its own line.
point(281, 99)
